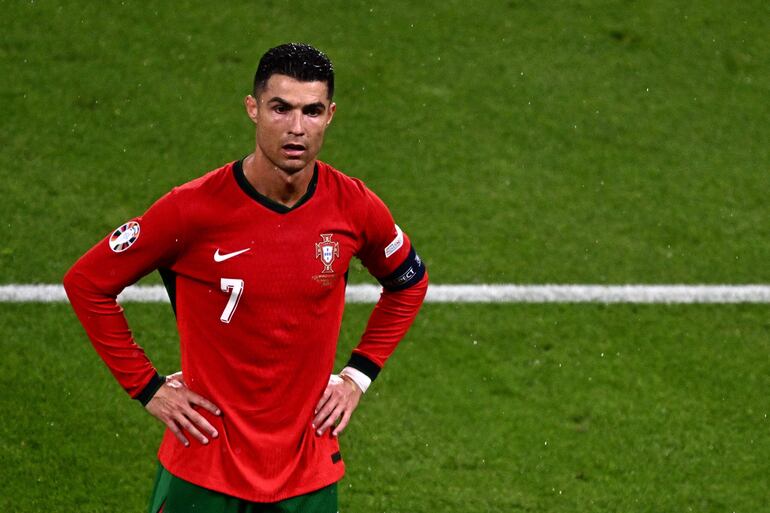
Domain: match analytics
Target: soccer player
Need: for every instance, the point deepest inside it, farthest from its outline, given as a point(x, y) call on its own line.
point(255, 256)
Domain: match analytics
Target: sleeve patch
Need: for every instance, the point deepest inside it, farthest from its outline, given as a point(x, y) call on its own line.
point(407, 274)
point(395, 244)
point(124, 237)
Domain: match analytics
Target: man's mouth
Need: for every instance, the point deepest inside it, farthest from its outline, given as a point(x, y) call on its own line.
point(293, 149)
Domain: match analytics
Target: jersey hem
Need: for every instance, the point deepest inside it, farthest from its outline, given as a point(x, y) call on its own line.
point(205, 481)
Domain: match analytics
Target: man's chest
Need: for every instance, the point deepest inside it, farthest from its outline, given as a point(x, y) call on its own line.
point(273, 254)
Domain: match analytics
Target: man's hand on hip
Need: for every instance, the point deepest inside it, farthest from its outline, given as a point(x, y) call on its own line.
point(173, 405)
point(336, 405)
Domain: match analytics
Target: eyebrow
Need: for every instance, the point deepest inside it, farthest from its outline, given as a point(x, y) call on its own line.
point(314, 105)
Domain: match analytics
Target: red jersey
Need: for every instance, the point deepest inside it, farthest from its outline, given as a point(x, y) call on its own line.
point(258, 291)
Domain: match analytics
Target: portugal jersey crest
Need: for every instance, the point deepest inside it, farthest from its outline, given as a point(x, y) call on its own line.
point(327, 251)
point(124, 237)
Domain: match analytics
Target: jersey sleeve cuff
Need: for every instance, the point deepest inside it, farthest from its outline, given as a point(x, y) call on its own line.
point(364, 365)
point(359, 378)
point(148, 392)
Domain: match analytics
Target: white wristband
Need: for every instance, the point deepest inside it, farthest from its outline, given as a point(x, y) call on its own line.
point(359, 378)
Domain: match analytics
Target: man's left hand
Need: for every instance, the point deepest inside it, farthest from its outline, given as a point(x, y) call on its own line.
point(336, 405)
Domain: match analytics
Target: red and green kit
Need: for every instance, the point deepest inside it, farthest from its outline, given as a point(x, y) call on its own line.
point(258, 290)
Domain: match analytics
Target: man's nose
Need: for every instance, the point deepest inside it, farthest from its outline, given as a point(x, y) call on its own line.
point(295, 124)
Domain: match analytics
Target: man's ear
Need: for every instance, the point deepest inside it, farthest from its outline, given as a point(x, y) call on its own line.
point(332, 110)
point(252, 108)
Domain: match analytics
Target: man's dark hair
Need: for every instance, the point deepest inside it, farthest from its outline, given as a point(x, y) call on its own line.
point(297, 60)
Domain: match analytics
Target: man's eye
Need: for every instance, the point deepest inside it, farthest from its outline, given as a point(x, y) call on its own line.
point(280, 109)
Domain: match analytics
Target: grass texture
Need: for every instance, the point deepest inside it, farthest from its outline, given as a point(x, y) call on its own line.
point(484, 408)
point(587, 142)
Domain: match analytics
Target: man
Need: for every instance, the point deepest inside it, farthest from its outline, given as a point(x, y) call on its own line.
point(255, 256)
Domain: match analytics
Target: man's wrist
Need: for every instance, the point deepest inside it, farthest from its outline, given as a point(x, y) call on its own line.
point(356, 376)
point(149, 390)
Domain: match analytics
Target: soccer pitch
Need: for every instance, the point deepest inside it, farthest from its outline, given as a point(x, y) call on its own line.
point(579, 143)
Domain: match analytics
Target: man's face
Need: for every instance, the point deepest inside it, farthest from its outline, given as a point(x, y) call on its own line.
point(291, 118)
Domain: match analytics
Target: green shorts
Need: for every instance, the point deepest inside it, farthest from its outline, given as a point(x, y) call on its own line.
point(173, 495)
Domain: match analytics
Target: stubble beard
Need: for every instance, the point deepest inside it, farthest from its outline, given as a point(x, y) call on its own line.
point(289, 168)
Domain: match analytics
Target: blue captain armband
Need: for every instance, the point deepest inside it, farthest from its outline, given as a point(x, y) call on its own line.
point(409, 273)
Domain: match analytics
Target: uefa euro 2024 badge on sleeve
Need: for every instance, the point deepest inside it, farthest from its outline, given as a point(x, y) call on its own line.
point(124, 237)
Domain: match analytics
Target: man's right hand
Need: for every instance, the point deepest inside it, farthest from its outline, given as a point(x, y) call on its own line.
point(173, 405)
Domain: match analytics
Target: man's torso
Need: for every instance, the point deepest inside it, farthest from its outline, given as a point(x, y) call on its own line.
point(259, 293)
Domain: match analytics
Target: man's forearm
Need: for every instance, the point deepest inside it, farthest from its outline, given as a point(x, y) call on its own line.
point(390, 320)
point(107, 328)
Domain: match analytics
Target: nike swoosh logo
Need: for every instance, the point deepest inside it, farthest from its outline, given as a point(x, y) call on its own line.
point(218, 257)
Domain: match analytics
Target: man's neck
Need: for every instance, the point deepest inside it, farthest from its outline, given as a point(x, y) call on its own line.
point(274, 183)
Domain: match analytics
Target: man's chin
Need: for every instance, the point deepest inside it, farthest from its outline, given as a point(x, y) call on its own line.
point(292, 166)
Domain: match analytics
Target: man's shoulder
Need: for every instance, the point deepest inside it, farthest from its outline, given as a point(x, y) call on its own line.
point(345, 183)
point(207, 182)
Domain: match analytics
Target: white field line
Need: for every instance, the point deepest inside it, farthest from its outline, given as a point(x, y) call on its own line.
point(498, 293)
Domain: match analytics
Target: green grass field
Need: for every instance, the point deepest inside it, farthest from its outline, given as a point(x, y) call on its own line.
point(516, 142)
point(486, 408)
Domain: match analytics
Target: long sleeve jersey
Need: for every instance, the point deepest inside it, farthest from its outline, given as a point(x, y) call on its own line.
point(258, 291)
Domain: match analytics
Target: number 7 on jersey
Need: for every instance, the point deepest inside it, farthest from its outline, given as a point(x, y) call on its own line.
point(235, 287)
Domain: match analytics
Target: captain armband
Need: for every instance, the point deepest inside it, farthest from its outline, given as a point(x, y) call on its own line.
point(409, 273)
